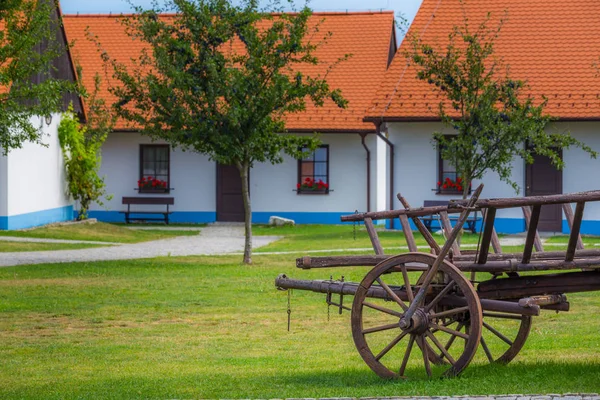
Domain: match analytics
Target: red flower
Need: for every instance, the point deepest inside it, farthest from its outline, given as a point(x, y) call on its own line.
point(445, 186)
point(460, 188)
point(439, 183)
point(298, 186)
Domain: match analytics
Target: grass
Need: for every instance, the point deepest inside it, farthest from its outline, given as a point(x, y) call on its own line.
point(208, 327)
point(100, 232)
point(325, 237)
point(7, 246)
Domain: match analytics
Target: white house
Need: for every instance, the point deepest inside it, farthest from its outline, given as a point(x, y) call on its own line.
point(204, 191)
point(553, 46)
point(32, 178)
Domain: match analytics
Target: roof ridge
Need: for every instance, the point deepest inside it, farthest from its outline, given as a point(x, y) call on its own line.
point(331, 13)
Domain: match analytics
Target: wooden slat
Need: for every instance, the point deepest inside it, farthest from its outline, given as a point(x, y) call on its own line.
point(422, 229)
point(410, 239)
point(488, 230)
point(569, 215)
point(495, 240)
point(532, 234)
point(447, 227)
point(373, 236)
point(537, 241)
point(575, 231)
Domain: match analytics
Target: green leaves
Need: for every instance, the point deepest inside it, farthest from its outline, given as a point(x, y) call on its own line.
point(492, 118)
point(81, 152)
point(220, 77)
point(28, 82)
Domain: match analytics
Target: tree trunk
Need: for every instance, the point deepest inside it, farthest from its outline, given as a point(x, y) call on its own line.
point(244, 171)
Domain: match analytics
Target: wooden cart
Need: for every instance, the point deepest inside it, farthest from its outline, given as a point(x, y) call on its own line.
point(431, 306)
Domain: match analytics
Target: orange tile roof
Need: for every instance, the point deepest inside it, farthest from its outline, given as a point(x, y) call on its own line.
point(365, 35)
point(551, 44)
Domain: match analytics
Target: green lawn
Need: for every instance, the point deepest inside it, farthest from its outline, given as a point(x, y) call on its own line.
point(100, 232)
point(208, 327)
point(325, 237)
point(6, 246)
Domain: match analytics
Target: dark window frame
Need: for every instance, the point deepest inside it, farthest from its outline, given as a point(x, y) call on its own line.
point(299, 177)
point(141, 168)
point(441, 172)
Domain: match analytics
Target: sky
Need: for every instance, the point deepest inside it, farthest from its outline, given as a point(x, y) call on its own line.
point(408, 8)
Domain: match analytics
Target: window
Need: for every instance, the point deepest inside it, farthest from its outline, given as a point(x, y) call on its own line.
point(313, 172)
point(154, 168)
point(448, 179)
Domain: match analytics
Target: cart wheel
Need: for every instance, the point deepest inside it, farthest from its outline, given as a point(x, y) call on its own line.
point(504, 335)
point(451, 306)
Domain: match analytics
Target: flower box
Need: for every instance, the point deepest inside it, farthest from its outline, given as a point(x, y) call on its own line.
point(312, 186)
point(152, 185)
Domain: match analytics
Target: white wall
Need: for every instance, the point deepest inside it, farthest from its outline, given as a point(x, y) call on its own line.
point(272, 186)
point(193, 176)
point(416, 168)
point(34, 175)
point(581, 172)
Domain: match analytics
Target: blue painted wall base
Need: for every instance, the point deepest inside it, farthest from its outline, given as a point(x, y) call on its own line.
point(503, 225)
point(37, 218)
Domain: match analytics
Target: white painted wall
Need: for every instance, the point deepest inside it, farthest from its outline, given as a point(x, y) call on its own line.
point(416, 168)
point(581, 172)
point(33, 177)
point(193, 176)
point(271, 186)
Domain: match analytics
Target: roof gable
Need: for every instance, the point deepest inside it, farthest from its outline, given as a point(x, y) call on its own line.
point(365, 35)
point(550, 44)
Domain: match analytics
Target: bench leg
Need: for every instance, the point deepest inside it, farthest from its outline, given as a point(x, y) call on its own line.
point(166, 219)
point(127, 218)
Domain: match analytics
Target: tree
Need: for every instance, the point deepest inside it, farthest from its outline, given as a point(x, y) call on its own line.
point(492, 117)
point(219, 78)
point(28, 86)
point(81, 146)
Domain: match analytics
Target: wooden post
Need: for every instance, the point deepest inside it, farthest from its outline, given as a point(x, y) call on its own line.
point(373, 236)
point(569, 215)
point(537, 241)
point(573, 239)
point(447, 227)
point(532, 234)
point(410, 239)
point(422, 229)
point(488, 230)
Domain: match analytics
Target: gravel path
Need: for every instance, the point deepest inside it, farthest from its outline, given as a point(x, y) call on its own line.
point(211, 241)
point(44, 240)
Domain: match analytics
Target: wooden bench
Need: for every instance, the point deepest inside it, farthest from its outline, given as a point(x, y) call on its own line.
point(471, 222)
point(161, 201)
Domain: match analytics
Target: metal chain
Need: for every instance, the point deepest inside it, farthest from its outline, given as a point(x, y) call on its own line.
point(289, 309)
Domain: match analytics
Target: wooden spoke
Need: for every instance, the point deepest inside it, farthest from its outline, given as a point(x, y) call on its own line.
point(409, 291)
point(487, 350)
point(450, 312)
point(440, 296)
point(381, 328)
point(445, 352)
point(387, 348)
point(449, 330)
point(407, 355)
point(423, 346)
point(382, 309)
point(495, 332)
point(392, 294)
point(451, 340)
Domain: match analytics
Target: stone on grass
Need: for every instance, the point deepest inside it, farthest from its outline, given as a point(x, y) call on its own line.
point(280, 221)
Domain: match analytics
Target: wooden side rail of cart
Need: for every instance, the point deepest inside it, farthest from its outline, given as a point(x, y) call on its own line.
point(412, 308)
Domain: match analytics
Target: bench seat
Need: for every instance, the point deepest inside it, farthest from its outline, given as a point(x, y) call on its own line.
point(165, 201)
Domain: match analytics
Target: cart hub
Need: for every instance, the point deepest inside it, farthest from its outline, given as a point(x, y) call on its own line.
point(418, 324)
